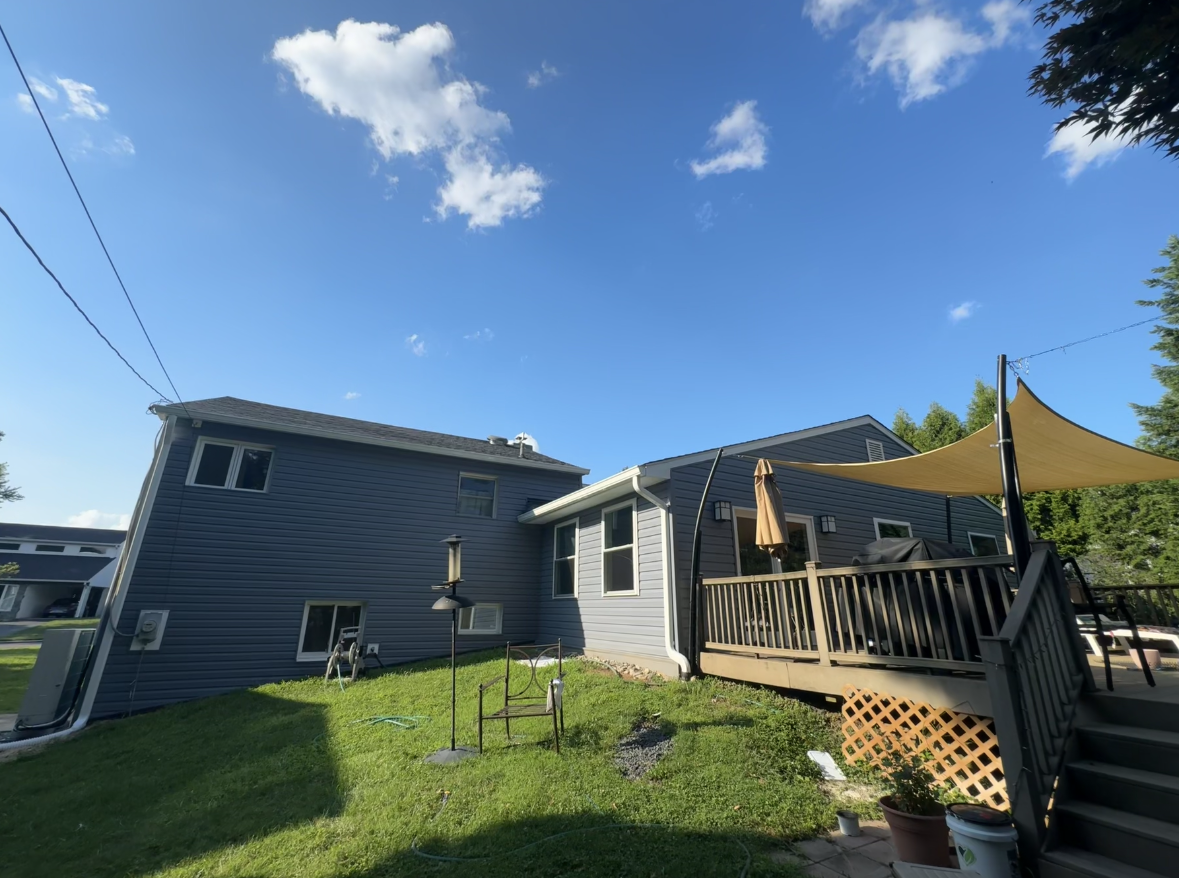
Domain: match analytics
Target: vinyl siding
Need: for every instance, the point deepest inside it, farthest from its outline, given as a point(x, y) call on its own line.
point(340, 521)
point(854, 505)
point(620, 624)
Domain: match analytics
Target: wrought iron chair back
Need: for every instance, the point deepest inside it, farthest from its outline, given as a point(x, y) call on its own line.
point(525, 693)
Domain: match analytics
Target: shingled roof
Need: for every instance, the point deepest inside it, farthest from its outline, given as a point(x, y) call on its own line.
point(242, 412)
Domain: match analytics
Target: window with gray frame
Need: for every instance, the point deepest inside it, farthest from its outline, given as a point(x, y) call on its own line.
point(886, 529)
point(481, 619)
point(565, 560)
point(984, 545)
point(476, 496)
point(618, 550)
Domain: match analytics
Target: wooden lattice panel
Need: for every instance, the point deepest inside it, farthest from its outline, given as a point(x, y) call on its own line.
point(965, 748)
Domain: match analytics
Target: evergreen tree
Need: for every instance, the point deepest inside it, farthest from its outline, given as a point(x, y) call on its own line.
point(980, 412)
point(939, 427)
point(1160, 422)
point(8, 494)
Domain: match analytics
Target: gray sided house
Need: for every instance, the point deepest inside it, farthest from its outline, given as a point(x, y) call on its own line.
point(63, 570)
point(592, 602)
point(260, 531)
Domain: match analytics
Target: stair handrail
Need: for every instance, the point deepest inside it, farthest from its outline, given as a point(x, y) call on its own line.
point(1036, 671)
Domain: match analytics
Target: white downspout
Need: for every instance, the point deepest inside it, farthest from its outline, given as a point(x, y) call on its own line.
point(670, 618)
point(118, 591)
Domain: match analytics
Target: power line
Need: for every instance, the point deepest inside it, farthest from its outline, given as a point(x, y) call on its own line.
point(74, 302)
point(101, 243)
point(1020, 364)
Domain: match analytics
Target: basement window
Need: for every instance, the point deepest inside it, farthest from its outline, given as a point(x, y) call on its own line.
point(322, 621)
point(886, 529)
point(481, 619)
point(984, 545)
point(232, 465)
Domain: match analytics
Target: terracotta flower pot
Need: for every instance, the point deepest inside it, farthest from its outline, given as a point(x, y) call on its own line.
point(917, 839)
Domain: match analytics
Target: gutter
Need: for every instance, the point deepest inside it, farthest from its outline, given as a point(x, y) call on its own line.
point(116, 594)
point(667, 549)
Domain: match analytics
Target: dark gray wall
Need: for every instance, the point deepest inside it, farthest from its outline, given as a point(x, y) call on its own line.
point(341, 521)
point(854, 504)
point(630, 625)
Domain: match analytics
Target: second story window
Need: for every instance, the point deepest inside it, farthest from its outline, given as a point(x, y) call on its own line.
point(43, 547)
point(230, 465)
point(476, 496)
point(91, 550)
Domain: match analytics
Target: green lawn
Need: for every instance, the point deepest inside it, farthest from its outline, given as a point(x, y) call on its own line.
point(15, 667)
point(285, 781)
point(34, 632)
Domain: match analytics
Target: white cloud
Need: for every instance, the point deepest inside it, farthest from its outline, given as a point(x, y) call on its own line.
point(705, 216)
point(930, 52)
point(121, 145)
point(485, 194)
point(739, 139)
point(1080, 149)
point(480, 335)
point(828, 15)
point(83, 99)
point(963, 312)
point(547, 73)
point(25, 103)
point(46, 91)
point(400, 86)
point(94, 518)
point(416, 345)
point(351, 394)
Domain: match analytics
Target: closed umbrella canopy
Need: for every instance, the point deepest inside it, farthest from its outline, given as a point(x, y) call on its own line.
point(771, 524)
point(1053, 454)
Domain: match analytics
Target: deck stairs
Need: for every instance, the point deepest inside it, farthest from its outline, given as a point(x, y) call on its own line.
point(1116, 809)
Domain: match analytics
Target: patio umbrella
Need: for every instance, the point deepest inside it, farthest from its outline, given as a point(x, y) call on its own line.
point(771, 524)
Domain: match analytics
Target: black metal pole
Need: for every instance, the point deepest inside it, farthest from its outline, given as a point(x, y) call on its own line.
point(453, 637)
point(694, 582)
point(1017, 523)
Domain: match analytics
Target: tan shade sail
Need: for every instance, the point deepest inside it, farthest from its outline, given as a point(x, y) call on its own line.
point(771, 523)
point(1052, 453)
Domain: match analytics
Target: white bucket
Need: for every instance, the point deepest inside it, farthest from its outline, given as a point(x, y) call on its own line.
point(985, 842)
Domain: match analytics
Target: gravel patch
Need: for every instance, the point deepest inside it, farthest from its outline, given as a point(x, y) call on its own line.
point(638, 752)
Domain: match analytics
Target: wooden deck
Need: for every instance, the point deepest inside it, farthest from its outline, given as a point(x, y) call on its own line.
point(912, 630)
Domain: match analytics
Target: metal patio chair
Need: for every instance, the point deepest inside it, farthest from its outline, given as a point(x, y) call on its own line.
point(532, 697)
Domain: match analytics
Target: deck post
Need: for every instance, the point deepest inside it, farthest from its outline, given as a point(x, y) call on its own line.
point(818, 611)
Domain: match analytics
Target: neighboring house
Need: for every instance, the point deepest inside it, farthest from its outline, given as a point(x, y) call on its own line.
point(260, 531)
point(613, 546)
point(56, 563)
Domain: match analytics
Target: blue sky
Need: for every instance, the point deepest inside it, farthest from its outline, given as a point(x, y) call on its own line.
point(632, 230)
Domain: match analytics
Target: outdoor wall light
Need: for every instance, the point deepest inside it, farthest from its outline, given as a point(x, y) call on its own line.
point(722, 510)
point(827, 524)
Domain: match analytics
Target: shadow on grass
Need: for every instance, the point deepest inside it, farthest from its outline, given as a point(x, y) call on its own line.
point(201, 776)
point(588, 845)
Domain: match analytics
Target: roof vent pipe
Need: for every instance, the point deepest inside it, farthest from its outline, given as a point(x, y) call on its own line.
point(498, 440)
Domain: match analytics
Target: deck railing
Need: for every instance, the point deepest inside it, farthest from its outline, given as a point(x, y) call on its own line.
point(1149, 604)
point(1036, 670)
point(920, 614)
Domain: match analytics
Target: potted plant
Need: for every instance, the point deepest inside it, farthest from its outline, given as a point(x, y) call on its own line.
point(914, 810)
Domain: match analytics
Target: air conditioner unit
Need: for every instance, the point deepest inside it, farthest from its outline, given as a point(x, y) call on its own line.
point(56, 676)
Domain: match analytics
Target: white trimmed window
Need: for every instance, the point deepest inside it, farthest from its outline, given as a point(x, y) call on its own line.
point(984, 545)
point(481, 619)
point(476, 496)
point(619, 558)
point(45, 547)
point(875, 450)
point(322, 621)
point(886, 529)
point(10, 547)
point(8, 597)
point(565, 560)
point(233, 465)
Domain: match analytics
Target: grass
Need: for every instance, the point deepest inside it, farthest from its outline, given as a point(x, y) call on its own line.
point(36, 631)
point(284, 780)
point(15, 667)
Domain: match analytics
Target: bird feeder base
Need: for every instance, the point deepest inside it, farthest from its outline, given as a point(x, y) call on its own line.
point(446, 756)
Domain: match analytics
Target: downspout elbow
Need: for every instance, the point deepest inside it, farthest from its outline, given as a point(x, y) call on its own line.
point(669, 618)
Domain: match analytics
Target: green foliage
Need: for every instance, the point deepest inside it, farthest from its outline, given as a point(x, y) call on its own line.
point(8, 494)
point(1160, 422)
point(1114, 62)
point(910, 784)
point(939, 427)
point(16, 666)
point(784, 735)
point(980, 411)
point(7, 570)
point(1060, 516)
point(36, 632)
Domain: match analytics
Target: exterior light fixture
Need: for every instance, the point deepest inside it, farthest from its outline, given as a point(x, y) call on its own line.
point(722, 510)
point(827, 524)
point(452, 603)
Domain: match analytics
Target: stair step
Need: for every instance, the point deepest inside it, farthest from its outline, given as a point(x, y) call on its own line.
point(1088, 864)
point(1148, 713)
point(1152, 750)
point(1132, 839)
point(1146, 793)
